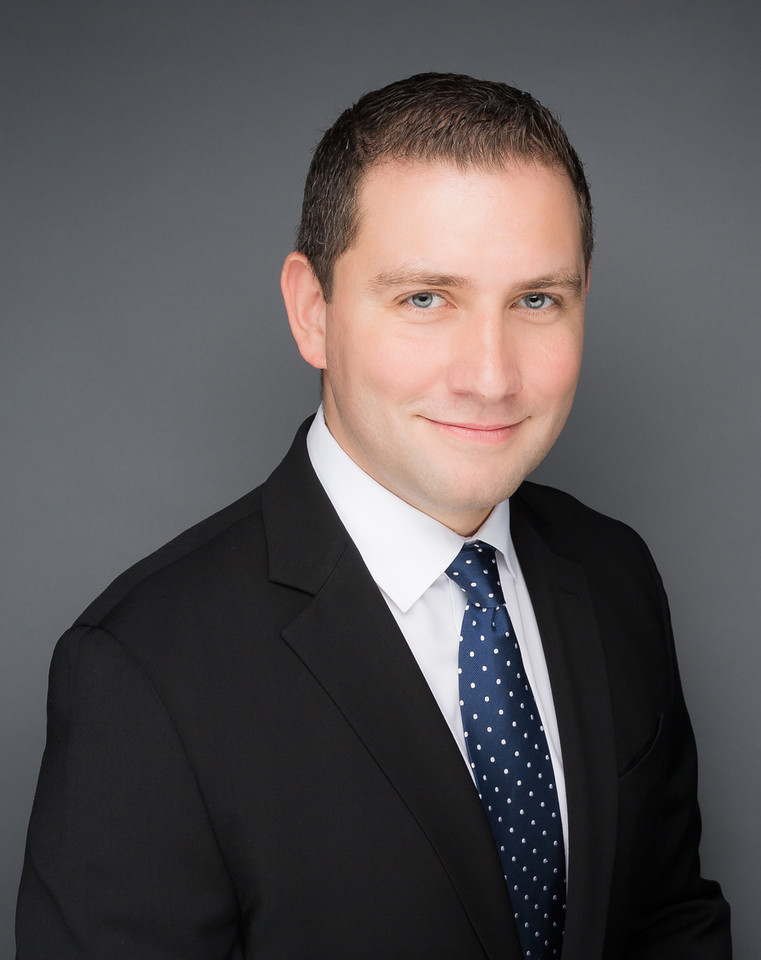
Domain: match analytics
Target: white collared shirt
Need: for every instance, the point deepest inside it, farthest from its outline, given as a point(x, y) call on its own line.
point(407, 553)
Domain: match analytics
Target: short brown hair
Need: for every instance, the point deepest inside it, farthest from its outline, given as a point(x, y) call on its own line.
point(445, 117)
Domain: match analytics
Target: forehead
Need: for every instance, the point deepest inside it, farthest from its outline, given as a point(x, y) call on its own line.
point(420, 208)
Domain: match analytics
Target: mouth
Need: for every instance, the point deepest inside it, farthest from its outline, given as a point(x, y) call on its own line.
point(482, 433)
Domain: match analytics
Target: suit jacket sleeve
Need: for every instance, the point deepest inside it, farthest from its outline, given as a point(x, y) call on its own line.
point(116, 789)
point(681, 913)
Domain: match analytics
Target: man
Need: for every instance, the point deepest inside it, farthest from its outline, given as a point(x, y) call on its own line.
point(396, 703)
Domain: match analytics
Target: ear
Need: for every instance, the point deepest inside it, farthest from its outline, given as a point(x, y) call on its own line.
point(589, 276)
point(306, 309)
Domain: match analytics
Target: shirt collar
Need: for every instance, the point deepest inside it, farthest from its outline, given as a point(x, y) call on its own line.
point(404, 549)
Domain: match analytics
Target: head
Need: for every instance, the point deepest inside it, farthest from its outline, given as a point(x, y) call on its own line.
point(437, 117)
point(443, 300)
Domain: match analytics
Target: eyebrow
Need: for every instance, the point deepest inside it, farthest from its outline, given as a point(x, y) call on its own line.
point(424, 280)
point(415, 278)
point(572, 280)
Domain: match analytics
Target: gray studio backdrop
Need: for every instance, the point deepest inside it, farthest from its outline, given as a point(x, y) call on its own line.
point(151, 166)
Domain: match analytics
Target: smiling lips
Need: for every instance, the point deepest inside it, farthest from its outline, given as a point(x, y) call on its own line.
point(489, 435)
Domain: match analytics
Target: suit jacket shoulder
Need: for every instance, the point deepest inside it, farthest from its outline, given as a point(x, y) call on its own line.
point(574, 528)
point(204, 537)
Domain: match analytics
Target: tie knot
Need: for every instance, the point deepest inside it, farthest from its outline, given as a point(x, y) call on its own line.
point(474, 569)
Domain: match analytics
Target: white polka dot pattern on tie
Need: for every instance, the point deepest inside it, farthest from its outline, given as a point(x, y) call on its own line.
point(509, 756)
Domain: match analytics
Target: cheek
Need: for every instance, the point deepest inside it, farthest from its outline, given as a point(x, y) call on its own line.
point(400, 367)
point(556, 368)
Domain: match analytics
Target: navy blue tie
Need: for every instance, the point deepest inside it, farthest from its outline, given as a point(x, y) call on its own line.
point(509, 756)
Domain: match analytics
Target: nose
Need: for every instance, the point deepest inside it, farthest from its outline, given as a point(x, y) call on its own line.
point(485, 361)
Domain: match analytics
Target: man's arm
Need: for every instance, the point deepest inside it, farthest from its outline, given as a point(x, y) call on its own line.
point(121, 859)
point(682, 915)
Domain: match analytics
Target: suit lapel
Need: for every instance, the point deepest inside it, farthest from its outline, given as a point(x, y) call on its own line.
point(346, 632)
point(576, 666)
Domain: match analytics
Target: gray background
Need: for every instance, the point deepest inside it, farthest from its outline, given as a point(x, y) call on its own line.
point(152, 162)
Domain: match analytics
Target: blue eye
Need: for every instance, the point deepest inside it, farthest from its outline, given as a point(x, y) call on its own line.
point(424, 300)
point(536, 301)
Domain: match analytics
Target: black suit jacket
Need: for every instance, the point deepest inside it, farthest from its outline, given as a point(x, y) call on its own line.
point(244, 759)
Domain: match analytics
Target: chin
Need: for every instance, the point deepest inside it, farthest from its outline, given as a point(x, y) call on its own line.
point(479, 500)
point(500, 482)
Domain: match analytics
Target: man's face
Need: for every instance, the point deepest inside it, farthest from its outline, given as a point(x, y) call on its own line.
point(452, 343)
